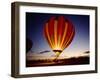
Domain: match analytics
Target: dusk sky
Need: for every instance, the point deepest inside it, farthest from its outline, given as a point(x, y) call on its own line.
point(34, 31)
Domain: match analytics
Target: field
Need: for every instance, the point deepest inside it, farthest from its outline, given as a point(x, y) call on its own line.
point(58, 62)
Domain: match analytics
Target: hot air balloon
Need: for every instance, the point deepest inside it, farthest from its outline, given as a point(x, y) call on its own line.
point(59, 33)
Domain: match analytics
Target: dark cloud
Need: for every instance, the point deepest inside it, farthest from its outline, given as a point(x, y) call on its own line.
point(29, 44)
point(87, 52)
point(46, 51)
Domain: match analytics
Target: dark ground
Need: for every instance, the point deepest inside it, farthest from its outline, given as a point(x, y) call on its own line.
point(58, 62)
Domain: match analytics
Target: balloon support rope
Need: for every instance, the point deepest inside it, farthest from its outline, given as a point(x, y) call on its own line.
point(55, 59)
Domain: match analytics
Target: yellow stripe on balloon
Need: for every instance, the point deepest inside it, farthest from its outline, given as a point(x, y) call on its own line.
point(52, 40)
point(59, 40)
point(66, 44)
point(51, 45)
point(64, 35)
point(55, 33)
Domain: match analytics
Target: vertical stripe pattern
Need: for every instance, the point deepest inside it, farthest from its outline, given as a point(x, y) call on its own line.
point(59, 32)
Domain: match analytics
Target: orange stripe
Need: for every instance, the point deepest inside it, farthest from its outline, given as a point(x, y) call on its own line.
point(59, 40)
point(64, 35)
point(50, 42)
point(55, 33)
point(66, 44)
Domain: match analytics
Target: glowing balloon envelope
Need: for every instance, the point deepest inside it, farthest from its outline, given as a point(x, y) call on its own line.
point(59, 33)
